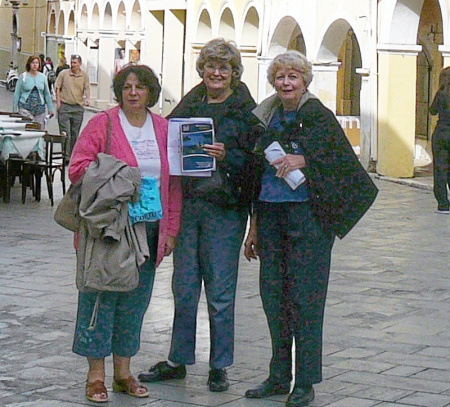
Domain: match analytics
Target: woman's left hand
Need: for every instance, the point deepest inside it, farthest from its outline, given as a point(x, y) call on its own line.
point(170, 244)
point(289, 163)
point(216, 150)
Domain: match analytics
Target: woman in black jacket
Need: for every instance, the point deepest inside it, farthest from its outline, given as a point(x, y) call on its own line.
point(294, 225)
point(441, 143)
point(214, 217)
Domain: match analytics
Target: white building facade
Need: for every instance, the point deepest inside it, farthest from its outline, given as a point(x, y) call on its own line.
point(376, 63)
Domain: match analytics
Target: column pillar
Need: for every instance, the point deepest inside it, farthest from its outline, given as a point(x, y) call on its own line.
point(154, 40)
point(105, 67)
point(324, 84)
point(173, 59)
point(365, 118)
point(445, 51)
point(264, 87)
point(397, 109)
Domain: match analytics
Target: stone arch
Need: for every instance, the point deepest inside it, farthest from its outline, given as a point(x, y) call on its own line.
point(107, 17)
point(121, 23)
point(348, 81)
point(227, 28)
point(71, 25)
point(95, 17)
point(250, 28)
point(287, 35)
point(400, 22)
point(52, 23)
point(136, 17)
point(339, 57)
point(83, 21)
point(429, 64)
point(332, 41)
point(61, 23)
point(204, 28)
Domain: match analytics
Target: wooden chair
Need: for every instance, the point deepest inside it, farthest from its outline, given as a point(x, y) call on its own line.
point(35, 126)
point(15, 167)
point(55, 156)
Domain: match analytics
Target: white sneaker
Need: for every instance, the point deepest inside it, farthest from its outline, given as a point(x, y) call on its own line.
point(442, 211)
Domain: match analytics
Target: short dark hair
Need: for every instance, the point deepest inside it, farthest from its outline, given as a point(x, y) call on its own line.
point(30, 60)
point(145, 76)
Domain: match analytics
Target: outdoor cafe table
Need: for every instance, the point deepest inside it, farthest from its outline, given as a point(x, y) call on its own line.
point(17, 125)
point(4, 118)
point(21, 142)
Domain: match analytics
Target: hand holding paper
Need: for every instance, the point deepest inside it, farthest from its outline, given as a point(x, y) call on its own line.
point(293, 178)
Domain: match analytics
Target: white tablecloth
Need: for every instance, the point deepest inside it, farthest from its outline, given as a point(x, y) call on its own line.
point(12, 125)
point(10, 119)
point(22, 144)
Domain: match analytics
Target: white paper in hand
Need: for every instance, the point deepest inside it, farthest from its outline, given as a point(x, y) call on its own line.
point(293, 178)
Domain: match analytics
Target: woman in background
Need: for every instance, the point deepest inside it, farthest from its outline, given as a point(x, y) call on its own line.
point(32, 94)
point(62, 65)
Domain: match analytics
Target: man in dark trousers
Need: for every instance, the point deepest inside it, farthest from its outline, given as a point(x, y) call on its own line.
point(72, 93)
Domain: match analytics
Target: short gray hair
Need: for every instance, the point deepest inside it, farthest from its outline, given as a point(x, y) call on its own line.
point(223, 51)
point(292, 60)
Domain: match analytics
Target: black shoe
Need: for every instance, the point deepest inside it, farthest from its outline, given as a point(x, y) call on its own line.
point(163, 371)
point(268, 388)
point(218, 380)
point(300, 396)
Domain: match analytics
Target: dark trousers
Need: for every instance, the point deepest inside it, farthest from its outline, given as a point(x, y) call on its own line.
point(207, 251)
point(441, 164)
point(295, 255)
point(70, 118)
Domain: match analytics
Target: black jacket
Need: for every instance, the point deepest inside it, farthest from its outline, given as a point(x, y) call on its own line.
point(233, 122)
point(341, 190)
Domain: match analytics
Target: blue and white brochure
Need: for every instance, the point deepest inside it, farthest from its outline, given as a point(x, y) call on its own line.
point(175, 148)
point(193, 137)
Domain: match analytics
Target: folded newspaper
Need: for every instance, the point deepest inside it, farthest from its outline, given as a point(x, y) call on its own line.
point(293, 178)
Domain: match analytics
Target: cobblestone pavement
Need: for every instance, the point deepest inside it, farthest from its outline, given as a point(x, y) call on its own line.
point(387, 337)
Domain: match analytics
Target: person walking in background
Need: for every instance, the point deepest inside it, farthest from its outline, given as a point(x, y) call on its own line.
point(72, 85)
point(49, 72)
point(139, 139)
point(213, 221)
point(62, 65)
point(293, 228)
point(120, 62)
point(441, 143)
point(32, 93)
point(42, 58)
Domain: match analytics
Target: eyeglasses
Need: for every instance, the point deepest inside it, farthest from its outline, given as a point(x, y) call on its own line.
point(223, 69)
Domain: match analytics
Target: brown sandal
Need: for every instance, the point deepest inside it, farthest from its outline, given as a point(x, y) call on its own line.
point(130, 386)
point(96, 392)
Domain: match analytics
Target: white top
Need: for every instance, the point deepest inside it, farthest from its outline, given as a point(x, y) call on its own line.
point(144, 145)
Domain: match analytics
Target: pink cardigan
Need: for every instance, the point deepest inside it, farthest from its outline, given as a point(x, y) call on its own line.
point(92, 141)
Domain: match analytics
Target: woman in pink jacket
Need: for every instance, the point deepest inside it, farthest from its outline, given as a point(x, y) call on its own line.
point(139, 138)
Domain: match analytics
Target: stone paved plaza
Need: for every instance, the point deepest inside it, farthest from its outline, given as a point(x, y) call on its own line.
point(387, 336)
